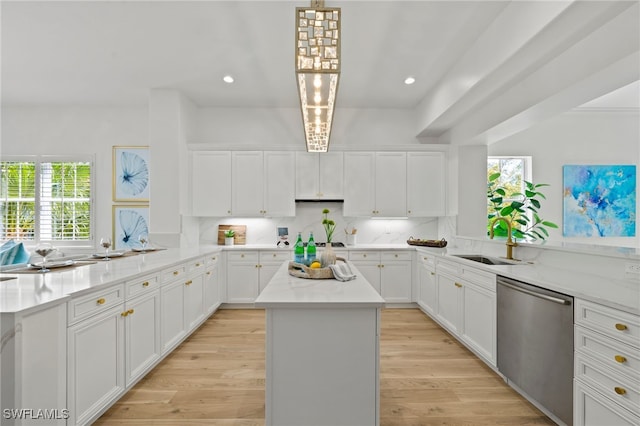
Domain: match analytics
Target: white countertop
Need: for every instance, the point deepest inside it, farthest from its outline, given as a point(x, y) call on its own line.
point(34, 291)
point(286, 291)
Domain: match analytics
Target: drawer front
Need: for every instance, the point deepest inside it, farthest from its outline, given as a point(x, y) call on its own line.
point(100, 301)
point(142, 285)
point(275, 256)
point(618, 325)
point(484, 279)
point(449, 267)
point(622, 358)
point(364, 255)
point(591, 408)
point(621, 390)
point(212, 259)
point(174, 273)
point(427, 259)
point(196, 265)
point(243, 256)
point(395, 255)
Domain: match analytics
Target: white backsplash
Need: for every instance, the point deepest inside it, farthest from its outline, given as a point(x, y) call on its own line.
point(309, 219)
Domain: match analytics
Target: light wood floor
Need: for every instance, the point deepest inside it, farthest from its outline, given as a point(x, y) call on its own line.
point(216, 377)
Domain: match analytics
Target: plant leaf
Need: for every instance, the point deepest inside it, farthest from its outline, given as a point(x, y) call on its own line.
point(550, 224)
point(494, 177)
point(506, 211)
point(501, 191)
point(535, 202)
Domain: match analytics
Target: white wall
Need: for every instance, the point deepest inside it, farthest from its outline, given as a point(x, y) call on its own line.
point(576, 138)
point(73, 131)
point(283, 127)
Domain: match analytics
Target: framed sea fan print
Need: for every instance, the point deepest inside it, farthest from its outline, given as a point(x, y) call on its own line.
point(131, 173)
point(129, 222)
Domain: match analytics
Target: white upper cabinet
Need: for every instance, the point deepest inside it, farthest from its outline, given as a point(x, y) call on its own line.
point(319, 176)
point(247, 185)
point(211, 183)
point(279, 183)
point(359, 177)
point(425, 184)
point(376, 184)
point(391, 184)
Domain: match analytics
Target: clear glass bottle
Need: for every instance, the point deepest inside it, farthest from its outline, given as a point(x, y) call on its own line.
point(298, 250)
point(311, 249)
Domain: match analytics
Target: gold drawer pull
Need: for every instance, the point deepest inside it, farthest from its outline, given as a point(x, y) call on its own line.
point(396, 255)
point(208, 272)
point(242, 255)
point(621, 327)
point(100, 301)
point(197, 264)
point(458, 285)
point(432, 273)
point(188, 282)
point(213, 258)
point(425, 258)
point(124, 314)
point(130, 311)
point(620, 391)
point(621, 359)
point(175, 272)
point(274, 255)
point(364, 255)
point(145, 284)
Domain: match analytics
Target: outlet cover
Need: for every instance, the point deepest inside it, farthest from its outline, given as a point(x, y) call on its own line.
point(632, 268)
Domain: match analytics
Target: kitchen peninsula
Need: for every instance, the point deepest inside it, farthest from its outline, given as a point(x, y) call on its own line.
point(322, 350)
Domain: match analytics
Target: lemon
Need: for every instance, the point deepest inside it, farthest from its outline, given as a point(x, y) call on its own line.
point(315, 265)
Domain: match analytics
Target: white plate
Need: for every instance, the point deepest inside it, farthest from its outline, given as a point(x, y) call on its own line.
point(111, 254)
point(54, 264)
point(147, 249)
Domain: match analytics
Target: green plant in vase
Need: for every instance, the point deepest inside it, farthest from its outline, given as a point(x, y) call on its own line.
point(328, 224)
point(520, 209)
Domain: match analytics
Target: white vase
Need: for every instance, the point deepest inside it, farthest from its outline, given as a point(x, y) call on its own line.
point(328, 256)
point(228, 241)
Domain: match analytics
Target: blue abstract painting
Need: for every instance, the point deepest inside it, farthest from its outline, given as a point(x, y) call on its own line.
point(599, 201)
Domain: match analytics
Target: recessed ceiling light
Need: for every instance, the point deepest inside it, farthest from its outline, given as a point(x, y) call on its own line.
point(227, 79)
point(409, 80)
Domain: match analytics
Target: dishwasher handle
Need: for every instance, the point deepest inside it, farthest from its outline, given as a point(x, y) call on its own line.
point(535, 294)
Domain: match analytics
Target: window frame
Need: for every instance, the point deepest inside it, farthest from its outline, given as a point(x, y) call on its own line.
point(527, 174)
point(38, 160)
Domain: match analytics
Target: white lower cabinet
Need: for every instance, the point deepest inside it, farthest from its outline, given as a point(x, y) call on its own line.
point(193, 302)
point(172, 315)
point(211, 285)
point(606, 366)
point(95, 364)
point(389, 272)
point(249, 272)
point(142, 334)
point(466, 306)
point(426, 297)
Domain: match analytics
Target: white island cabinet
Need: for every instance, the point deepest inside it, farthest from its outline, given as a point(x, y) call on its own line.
point(322, 351)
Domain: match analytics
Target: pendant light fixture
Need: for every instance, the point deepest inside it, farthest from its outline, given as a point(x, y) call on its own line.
point(317, 70)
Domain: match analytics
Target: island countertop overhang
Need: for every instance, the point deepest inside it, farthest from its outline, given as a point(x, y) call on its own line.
point(287, 291)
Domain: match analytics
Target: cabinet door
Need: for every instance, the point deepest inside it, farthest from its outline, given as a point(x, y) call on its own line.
point(247, 183)
point(267, 271)
point(172, 315)
point(427, 290)
point(331, 169)
point(370, 270)
point(211, 290)
point(479, 320)
point(593, 409)
point(279, 181)
point(395, 282)
point(193, 302)
point(211, 183)
point(425, 184)
point(95, 364)
point(391, 184)
point(307, 171)
point(242, 282)
point(142, 331)
point(448, 307)
point(359, 193)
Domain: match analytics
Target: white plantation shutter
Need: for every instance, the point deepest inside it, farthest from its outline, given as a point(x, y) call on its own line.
point(59, 210)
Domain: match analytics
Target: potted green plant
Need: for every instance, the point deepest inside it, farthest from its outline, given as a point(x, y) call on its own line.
point(229, 235)
point(520, 209)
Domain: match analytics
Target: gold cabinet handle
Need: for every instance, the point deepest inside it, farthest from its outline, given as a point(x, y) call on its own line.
point(124, 314)
point(242, 255)
point(208, 272)
point(396, 255)
point(100, 301)
point(432, 273)
point(425, 258)
point(364, 255)
point(145, 284)
point(175, 272)
point(458, 285)
point(621, 359)
point(228, 211)
point(274, 255)
point(188, 282)
point(130, 311)
point(409, 211)
point(619, 390)
point(213, 258)
point(382, 266)
point(197, 264)
point(621, 327)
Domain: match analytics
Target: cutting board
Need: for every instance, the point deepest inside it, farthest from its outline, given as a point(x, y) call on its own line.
point(241, 234)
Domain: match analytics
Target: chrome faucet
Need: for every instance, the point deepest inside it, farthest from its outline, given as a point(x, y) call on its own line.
point(510, 243)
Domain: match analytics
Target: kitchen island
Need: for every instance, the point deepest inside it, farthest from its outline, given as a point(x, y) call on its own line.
point(322, 350)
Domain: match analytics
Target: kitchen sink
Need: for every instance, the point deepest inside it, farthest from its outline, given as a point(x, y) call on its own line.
point(484, 259)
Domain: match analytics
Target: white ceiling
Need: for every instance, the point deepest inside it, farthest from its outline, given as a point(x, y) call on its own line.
point(464, 54)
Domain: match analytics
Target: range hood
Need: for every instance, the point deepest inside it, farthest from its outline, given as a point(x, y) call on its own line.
point(318, 200)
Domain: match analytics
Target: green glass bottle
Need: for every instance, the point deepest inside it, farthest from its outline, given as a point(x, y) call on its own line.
point(298, 250)
point(311, 249)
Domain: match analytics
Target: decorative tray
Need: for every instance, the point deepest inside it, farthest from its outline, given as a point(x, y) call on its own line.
point(427, 243)
point(303, 271)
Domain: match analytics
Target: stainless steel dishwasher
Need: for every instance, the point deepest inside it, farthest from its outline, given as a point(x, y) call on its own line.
point(535, 345)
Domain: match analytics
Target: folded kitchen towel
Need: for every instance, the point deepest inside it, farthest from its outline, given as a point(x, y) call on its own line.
point(342, 272)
